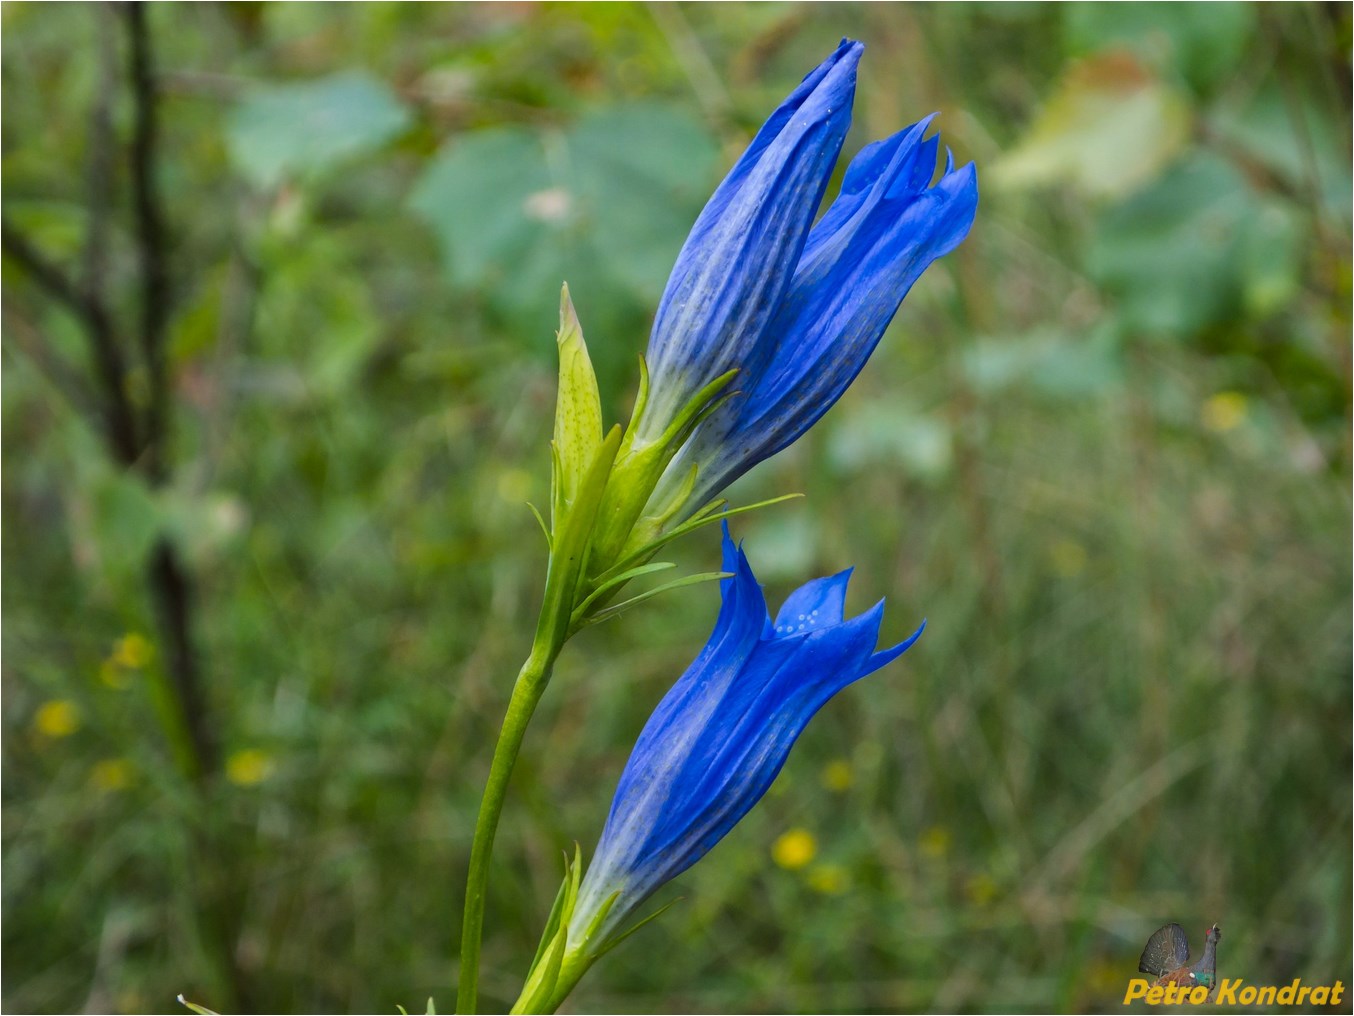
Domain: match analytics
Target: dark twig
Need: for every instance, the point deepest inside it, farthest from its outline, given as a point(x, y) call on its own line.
point(150, 234)
point(173, 591)
point(170, 582)
point(100, 163)
point(62, 376)
point(117, 409)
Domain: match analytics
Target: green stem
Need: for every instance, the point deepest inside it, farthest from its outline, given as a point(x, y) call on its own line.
point(568, 557)
point(526, 694)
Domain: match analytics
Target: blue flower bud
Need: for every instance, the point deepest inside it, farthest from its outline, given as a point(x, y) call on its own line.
point(741, 253)
point(887, 225)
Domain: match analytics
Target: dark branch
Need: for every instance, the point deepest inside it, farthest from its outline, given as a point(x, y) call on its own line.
point(172, 589)
point(170, 582)
point(117, 409)
point(62, 376)
point(100, 163)
point(150, 232)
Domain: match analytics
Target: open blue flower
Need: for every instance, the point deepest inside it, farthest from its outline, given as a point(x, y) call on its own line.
point(721, 734)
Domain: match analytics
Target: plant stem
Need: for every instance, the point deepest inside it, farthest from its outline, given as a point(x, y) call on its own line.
point(569, 549)
point(526, 694)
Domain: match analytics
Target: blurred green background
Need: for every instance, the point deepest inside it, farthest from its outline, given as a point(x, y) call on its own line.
point(1104, 448)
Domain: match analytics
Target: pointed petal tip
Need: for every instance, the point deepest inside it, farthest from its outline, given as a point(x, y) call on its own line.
point(886, 656)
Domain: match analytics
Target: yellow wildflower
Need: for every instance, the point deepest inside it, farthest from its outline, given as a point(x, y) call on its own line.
point(112, 774)
point(249, 767)
point(935, 842)
point(794, 849)
point(838, 775)
point(1223, 412)
point(57, 718)
point(133, 651)
point(828, 879)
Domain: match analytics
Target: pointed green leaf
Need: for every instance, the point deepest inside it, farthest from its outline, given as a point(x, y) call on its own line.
point(597, 920)
point(544, 974)
point(689, 580)
point(199, 1009)
point(608, 946)
point(553, 921)
point(623, 577)
point(578, 406)
point(702, 518)
point(544, 528)
point(572, 545)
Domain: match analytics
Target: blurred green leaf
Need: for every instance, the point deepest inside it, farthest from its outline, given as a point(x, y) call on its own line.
point(284, 131)
point(1203, 41)
point(1284, 131)
point(125, 519)
point(891, 434)
point(1047, 361)
point(603, 205)
point(1109, 127)
point(1185, 253)
point(487, 195)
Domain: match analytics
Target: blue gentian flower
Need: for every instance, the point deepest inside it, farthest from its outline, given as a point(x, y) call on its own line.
point(721, 734)
point(795, 307)
point(741, 253)
point(861, 258)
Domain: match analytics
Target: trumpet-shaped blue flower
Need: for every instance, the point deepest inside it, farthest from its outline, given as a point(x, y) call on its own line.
point(721, 734)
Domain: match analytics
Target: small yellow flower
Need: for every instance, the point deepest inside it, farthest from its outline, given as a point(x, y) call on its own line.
point(113, 676)
point(112, 774)
point(1068, 558)
point(132, 651)
point(981, 889)
point(249, 767)
point(794, 849)
point(1223, 412)
point(828, 879)
point(57, 718)
point(935, 842)
point(838, 775)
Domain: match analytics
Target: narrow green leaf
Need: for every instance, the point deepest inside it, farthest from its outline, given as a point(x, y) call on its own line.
point(543, 977)
point(697, 408)
point(545, 970)
point(552, 922)
point(199, 1009)
point(702, 518)
point(626, 576)
point(596, 922)
point(572, 544)
point(607, 947)
point(689, 580)
point(544, 528)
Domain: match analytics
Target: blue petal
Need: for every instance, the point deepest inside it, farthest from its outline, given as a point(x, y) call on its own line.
point(833, 317)
point(884, 656)
point(814, 605)
point(876, 162)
